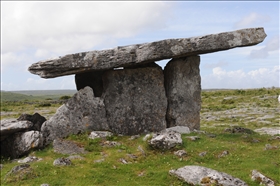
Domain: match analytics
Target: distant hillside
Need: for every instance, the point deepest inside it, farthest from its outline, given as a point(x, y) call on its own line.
point(32, 95)
point(45, 92)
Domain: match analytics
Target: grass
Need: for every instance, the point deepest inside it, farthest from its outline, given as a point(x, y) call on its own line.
point(245, 154)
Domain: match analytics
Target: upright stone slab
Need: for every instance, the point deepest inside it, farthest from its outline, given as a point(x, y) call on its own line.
point(183, 87)
point(80, 113)
point(135, 100)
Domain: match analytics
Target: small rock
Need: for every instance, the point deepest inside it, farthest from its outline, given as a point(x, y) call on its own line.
point(134, 137)
point(100, 134)
point(141, 150)
point(122, 160)
point(111, 143)
point(180, 153)
point(19, 168)
point(166, 140)
point(29, 159)
point(263, 180)
point(62, 161)
point(237, 129)
point(270, 147)
point(132, 156)
point(255, 141)
point(99, 161)
point(202, 153)
point(1, 166)
point(45, 184)
point(193, 138)
point(223, 154)
point(141, 174)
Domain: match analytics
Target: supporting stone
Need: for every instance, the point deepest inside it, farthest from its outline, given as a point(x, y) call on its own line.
point(135, 100)
point(183, 88)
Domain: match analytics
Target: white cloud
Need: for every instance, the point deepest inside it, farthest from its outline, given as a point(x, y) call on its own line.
point(262, 77)
point(270, 46)
point(74, 26)
point(251, 20)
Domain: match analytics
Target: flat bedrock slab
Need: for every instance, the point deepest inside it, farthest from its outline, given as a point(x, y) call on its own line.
point(198, 175)
point(183, 89)
point(145, 53)
point(135, 100)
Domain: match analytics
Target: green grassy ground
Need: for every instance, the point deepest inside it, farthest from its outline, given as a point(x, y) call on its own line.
point(246, 108)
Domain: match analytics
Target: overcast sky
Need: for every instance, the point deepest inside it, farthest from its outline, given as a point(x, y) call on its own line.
point(32, 31)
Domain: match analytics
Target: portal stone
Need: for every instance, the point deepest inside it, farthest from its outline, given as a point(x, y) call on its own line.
point(135, 100)
point(183, 88)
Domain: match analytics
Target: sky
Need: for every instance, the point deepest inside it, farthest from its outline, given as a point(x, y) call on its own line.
point(37, 30)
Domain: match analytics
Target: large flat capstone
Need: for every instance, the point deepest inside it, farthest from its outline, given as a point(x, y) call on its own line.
point(132, 55)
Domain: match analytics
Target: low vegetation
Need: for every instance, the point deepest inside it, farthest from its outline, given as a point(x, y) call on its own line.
point(220, 110)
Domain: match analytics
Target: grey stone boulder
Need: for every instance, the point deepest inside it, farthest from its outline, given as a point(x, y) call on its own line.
point(20, 144)
point(183, 89)
point(132, 55)
point(262, 179)
point(36, 119)
point(11, 126)
point(135, 100)
point(67, 147)
point(82, 112)
point(198, 175)
point(165, 140)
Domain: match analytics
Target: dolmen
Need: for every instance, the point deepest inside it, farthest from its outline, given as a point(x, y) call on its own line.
point(123, 90)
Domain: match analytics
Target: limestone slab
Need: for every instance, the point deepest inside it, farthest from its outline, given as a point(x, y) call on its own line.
point(145, 53)
point(135, 100)
point(183, 89)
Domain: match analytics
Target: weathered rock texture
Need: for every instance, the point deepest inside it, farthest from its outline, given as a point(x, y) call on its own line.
point(183, 88)
point(198, 175)
point(135, 100)
point(20, 144)
point(144, 53)
point(82, 112)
